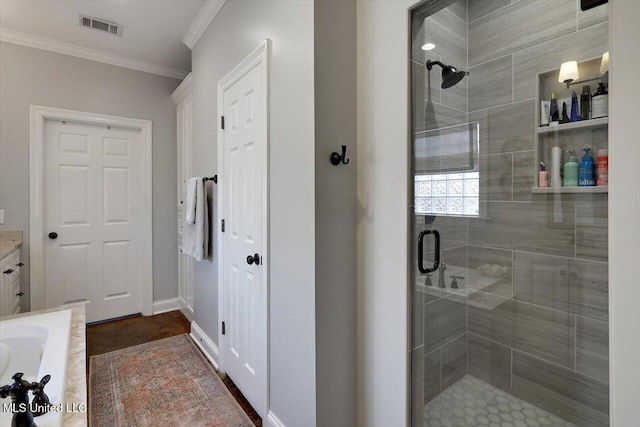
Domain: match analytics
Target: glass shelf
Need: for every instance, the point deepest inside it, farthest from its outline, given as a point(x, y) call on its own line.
point(587, 124)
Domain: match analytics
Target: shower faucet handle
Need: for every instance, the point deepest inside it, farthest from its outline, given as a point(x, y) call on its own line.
point(454, 282)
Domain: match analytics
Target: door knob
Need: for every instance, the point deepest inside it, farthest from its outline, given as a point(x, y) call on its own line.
point(53, 235)
point(19, 294)
point(253, 259)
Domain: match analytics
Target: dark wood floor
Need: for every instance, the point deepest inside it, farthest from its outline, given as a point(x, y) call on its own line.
point(131, 331)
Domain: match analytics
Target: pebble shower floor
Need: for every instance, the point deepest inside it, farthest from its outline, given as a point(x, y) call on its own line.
point(472, 402)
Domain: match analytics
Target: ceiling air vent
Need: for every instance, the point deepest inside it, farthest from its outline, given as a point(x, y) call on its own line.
point(101, 25)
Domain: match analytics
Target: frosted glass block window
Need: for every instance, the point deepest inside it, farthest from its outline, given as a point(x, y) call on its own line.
point(453, 194)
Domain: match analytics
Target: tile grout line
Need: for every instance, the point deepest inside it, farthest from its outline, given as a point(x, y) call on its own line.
point(534, 253)
point(502, 105)
point(490, 13)
point(539, 44)
point(568, 313)
point(513, 349)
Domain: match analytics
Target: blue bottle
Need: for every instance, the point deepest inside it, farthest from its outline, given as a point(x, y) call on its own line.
point(586, 173)
point(575, 116)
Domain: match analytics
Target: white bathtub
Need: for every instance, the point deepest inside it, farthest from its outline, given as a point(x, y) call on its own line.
point(36, 345)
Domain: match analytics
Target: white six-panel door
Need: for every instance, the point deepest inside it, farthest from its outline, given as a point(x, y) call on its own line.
point(243, 202)
point(93, 202)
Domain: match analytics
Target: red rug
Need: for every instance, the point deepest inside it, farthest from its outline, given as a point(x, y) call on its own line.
point(160, 384)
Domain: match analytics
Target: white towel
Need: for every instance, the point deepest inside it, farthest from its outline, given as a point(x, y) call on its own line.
point(195, 237)
point(190, 207)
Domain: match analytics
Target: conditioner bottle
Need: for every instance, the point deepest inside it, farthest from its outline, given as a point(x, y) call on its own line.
point(586, 171)
point(570, 175)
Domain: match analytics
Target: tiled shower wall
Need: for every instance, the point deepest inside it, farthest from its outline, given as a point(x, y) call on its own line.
point(534, 319)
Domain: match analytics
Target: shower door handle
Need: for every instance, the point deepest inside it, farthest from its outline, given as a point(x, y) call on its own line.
point(436, 262)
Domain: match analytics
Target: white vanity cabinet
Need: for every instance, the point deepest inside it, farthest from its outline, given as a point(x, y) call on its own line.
point(10, 293)
point(183, 99)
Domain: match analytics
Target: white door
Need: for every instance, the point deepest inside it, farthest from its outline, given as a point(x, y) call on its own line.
point(93, 218)
point(243, 185)
point(184, 145)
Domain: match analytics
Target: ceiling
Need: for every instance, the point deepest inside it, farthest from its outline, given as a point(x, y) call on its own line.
point(152, 30)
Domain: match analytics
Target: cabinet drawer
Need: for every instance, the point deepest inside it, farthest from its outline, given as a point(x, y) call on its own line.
point(14, 259)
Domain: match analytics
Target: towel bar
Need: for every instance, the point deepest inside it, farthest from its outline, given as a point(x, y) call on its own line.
point(214, 179)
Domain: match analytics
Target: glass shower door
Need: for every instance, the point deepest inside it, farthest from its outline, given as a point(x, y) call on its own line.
point(509, 279)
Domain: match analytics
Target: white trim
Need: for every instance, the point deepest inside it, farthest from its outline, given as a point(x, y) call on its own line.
point(166, 305)
point(38, 115)
point(206, 345)
point(37, 42)
point(183, 90)
point(186, 310)
point(202, 21)
point(273, 421)
point(261, 54)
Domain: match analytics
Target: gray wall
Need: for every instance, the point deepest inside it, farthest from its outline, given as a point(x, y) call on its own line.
point(335, 115)
point(35, 77)
point(238, 29)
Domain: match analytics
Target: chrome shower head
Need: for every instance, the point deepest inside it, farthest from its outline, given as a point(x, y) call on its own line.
point(450, 74)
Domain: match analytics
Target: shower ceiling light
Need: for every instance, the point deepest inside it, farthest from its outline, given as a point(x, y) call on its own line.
point(428, 46)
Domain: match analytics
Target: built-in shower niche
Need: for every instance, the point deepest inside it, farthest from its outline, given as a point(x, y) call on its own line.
point(592, 133)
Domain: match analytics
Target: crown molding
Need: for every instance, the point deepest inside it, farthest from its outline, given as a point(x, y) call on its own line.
point(182, 90)
point(202, 21)
point(37, 42)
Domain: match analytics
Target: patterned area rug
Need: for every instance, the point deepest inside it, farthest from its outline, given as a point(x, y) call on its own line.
point(161, 383)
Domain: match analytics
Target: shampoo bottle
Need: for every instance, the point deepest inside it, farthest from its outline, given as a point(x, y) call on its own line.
point(600, 103)
point(586, 171)
point(570, 176)
point(575, 115)
point(585, 103)
point(603, 168)
point(556, 166)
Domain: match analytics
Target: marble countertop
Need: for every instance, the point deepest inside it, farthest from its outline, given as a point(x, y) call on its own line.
point(76, 391)
point(9, 241)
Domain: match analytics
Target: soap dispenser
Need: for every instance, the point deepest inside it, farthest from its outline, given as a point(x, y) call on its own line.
point(570, 176)
point(586, 171)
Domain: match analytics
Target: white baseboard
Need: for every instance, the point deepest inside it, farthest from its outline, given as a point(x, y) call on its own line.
point(166, 305)
point(209, 349)
point(186, 310)
point(273, 421)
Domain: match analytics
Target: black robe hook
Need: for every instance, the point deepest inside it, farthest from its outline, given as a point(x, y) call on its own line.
point(337, 158)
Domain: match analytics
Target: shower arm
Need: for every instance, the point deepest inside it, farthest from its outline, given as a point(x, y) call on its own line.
point(430, 64)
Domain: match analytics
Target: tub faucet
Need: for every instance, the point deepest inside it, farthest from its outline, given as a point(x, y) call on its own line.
point(441, 279)
point(19, 393)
